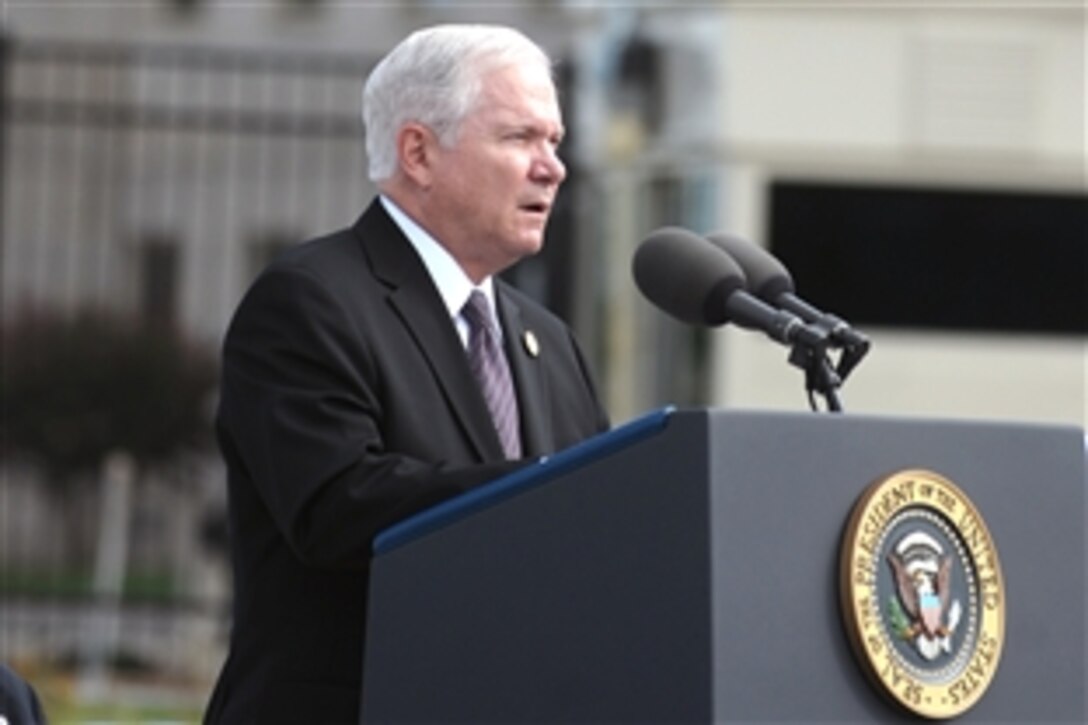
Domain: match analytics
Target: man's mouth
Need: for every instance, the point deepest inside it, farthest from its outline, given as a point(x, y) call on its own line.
point(536, 207)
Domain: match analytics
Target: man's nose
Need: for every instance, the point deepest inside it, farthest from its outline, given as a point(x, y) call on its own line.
point(548, 167)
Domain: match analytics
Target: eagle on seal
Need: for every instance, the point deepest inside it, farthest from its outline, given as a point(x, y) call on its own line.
point(922, 576)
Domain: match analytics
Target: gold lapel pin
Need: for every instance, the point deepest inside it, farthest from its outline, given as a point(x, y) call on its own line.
point(532, 345)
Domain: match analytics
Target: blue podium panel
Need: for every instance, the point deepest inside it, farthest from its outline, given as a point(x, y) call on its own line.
point(780, 648)
point(684, 568)
point(584, 599)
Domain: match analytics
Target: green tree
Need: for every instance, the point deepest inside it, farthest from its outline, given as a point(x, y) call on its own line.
point(75, 388)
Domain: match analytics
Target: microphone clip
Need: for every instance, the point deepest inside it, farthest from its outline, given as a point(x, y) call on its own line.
point(810, 353)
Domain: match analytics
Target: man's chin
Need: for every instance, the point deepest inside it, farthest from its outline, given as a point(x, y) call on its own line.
point(530, 243)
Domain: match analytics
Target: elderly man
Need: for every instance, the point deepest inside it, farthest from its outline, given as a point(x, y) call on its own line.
point(380, 369)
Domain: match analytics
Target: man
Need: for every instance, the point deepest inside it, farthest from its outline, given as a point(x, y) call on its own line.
point(349, 390)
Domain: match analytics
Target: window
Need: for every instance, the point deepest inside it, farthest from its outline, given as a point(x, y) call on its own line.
point(1010, 261)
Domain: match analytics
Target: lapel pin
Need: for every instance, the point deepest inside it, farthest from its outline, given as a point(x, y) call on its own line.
point(532, 345)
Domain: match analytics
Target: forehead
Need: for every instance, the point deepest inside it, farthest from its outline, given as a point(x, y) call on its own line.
point(518, 93)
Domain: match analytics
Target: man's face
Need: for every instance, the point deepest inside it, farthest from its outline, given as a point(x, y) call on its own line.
point(493, 191)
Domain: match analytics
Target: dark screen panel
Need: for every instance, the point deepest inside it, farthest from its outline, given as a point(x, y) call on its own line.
point(936, 258)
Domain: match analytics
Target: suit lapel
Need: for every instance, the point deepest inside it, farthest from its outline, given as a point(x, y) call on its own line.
point(413, 297)
point(525, 366)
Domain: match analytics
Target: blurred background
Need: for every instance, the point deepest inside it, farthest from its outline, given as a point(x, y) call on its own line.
point(920, 168)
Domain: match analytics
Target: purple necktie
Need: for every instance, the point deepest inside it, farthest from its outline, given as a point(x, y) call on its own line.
point(488, 363)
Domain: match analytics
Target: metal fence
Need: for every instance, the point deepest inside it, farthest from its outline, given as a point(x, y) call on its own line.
point(157, 178)
point(150, 183)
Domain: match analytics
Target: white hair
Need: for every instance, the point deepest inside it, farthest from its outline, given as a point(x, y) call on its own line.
point(433, 77)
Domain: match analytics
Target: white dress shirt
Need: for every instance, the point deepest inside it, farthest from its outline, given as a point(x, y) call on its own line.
point(453, 284)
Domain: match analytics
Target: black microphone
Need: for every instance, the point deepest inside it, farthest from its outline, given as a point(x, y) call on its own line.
point(698, 282)
point(769, 280)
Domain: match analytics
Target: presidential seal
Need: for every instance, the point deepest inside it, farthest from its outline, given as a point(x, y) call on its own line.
point(922, 595)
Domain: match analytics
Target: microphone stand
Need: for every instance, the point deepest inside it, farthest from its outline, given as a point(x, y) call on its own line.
point(809, 352)
point(852, 353)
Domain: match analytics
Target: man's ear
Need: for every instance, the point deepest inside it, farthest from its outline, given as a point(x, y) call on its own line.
point(415, 152)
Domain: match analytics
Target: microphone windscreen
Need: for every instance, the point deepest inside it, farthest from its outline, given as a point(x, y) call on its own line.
point(686, 276)
point(767, 277)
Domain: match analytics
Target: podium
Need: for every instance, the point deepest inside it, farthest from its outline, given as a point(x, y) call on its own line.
point(686, 568)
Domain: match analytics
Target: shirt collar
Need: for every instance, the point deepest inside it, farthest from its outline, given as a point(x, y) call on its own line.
point(453, 284)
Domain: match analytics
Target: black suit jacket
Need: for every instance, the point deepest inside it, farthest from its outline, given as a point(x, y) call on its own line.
point(347, 403)
point(19, 704)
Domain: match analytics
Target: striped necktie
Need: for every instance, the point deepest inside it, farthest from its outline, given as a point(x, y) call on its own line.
point(488, 363)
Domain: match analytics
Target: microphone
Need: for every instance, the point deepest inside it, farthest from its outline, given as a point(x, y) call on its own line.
point(698, 282)
point(769, 280)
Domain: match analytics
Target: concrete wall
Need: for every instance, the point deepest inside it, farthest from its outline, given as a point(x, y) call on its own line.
point(971, 97)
